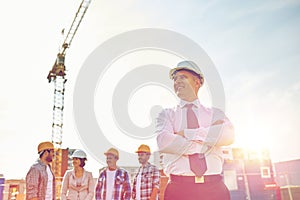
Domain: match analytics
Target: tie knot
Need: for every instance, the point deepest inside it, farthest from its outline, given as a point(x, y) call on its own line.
point(189, 105)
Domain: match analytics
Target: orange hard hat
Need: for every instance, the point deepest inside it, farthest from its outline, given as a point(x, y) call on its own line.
point(112, 151)
point(143, 148)
point(45, 145)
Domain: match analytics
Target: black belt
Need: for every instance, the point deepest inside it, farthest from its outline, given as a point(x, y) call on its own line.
point(194, 179)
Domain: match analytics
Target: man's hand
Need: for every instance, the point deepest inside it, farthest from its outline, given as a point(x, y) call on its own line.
point(220, 121)
point(181, 133)
point(154, 194)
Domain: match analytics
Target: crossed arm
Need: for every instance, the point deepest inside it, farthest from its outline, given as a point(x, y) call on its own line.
point(188, 141)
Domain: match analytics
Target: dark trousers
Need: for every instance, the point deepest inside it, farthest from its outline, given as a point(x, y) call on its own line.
point(215, 190)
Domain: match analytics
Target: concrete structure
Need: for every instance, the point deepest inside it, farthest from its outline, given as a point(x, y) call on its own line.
point(249, 175)
point(288, 172)
point(288, 178)
point(14, 189)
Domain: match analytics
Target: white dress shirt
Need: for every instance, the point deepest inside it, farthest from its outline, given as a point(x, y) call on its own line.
point(206, 139)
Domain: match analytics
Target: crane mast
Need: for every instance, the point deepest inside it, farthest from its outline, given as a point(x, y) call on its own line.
point(57, 75)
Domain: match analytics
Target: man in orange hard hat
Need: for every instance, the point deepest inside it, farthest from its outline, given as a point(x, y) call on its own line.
point(113, 182)
point(146, 181)
point(40, 180)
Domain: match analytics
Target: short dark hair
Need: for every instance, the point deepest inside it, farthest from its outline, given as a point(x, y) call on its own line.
point(82, 162)
point(43, 151)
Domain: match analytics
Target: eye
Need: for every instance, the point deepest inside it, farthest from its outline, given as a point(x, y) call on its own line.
point(179, 77)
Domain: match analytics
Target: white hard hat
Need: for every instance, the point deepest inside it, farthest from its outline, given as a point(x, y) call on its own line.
point(79, 154)
point(187, 65)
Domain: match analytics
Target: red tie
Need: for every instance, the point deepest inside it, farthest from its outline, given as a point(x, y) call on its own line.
point(197, 160)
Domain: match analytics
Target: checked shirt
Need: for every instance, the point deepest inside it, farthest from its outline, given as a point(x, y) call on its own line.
point(121, 191)
point(36, 181)
point(149, 180)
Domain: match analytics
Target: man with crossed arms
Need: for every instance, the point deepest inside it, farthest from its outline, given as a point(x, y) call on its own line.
point(191, 137)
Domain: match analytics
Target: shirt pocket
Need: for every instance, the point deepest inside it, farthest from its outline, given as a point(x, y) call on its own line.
point(119, 180)
point(147, 177)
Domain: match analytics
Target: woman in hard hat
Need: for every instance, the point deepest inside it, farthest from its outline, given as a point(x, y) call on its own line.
point(78, 183)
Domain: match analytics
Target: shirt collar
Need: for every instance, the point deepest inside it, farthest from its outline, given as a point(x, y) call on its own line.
point(146, 165)
point(196, 103)
point(41, 163)
point(73, 171)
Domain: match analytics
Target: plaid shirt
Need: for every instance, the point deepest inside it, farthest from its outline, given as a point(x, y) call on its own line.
point(36, 181)
point(121, 190)
point(149, 180)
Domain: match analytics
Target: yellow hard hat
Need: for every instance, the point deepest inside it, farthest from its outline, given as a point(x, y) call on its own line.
point(112, 151)
point(45, 145)
point(143, 148)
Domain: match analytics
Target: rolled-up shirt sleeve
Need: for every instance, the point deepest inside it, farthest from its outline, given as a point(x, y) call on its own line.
point(32, 183)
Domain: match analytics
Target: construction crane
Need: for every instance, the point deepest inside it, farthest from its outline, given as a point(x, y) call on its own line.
point(57, 75)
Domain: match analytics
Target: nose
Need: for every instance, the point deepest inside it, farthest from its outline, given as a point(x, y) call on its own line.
point(176, 82)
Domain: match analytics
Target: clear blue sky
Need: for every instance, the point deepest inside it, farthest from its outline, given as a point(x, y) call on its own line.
point(254, 45)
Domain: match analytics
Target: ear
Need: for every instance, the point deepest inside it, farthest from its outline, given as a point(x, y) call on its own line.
point(198, 82)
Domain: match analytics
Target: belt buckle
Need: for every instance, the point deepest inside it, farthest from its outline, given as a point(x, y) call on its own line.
point(199, 179)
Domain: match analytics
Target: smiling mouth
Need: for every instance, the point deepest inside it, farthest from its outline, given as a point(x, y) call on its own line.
point(179, 87)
